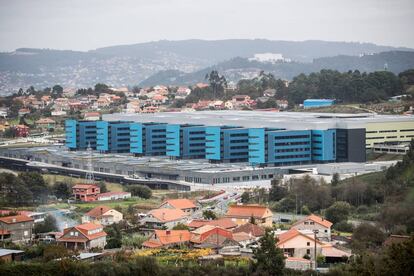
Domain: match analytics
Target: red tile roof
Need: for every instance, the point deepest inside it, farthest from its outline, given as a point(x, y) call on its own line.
point(85, 186)
point(225, 223)
point(316, 219)
point(181, 203)
point(16, 219)
point(247, 211)
point(202, 233)
point(284, 237)
point(166, 215)
point(83, 229)
point(167, 237)
point(250, 228)
point(98, 211)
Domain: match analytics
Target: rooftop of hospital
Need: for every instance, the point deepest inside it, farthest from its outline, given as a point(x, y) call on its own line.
point(261, 119)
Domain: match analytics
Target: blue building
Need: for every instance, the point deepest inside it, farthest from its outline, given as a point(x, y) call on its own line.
point(185, 141)
point(259, 146)
point(80, 134)
point(313, 103)
point(113, 136)
point(148, 138)
point(227, 144)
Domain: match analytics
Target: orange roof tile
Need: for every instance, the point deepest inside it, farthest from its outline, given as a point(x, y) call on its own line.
point(284, 237)
point(84, 186)
point(316, 219)
point(165, 214)
point(98, 211)
point(247, 211)
point(202, 233)
point(15, 219)
point(84, 229)
point(181, 203)
point(225, 223)
point(167, 237)
point(250, 228)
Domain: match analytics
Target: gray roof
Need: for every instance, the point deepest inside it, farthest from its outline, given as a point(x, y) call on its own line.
point(261, 119)
point(5, 252)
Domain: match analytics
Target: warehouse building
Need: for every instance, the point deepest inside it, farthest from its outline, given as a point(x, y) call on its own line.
point(258, 137)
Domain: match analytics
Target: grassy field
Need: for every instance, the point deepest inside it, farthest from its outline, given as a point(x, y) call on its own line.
point(383, 157)
point(136, 202)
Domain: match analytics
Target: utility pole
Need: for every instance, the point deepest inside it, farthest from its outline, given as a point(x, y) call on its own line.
point(314, 256)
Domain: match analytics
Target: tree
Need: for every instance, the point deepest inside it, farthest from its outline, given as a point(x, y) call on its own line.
point(269, 259)
point(208, 214)
point(62, 190)
point(140, 191)
point(335, 180)
point(48, 225)
point(102, 187)
point(367, 237)
point(57, 91)
point(277, 192)
point(101, 88)
point(114, 238)
point(245, 197)
point(180, 226)
point(55, 251)
point(36, 184)
point(339, 211)
point(217, 83)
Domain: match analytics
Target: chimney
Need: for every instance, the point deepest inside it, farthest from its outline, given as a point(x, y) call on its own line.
point(168, 232)
point(13, 220)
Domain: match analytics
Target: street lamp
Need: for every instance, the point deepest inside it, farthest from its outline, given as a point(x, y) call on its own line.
point(314, 253)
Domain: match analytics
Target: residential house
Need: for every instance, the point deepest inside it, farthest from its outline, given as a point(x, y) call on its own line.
point(167, 238)
point(21, 130)
point(295, 243)
point(16, 228)
point(102, 215)
point(10, 255)
point(251, 229)
point(83, 237)
point(46, 123)
point(283, 104)
point(225, 223)
point(182, 92)
point(92, 116)
point(209, 236)
point(23, 111)
point(229, 105)
point(185, 205)
point(201, 85)
point(113, 196)
point(242, 214)
point(159, 99)
point(270, 92)
point(315, 223)
point(164, 218)
point(85, 192)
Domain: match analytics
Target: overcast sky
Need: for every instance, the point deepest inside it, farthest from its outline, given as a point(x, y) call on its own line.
point(90, 24)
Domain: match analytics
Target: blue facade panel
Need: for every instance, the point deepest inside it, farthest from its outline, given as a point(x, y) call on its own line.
point(289, 147)
point(236, 144)
point(86, 134)
point(193, 142)
point(154, 139)
point(257, 146)
point(213, 137)
point(102, 136)
point(173, 140)
point(119, 137)
point(71, 128)
point(324, 145)
point(135, 138)
point(313, 103)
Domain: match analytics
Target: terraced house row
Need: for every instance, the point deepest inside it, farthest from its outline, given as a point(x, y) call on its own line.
point(260, 138)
